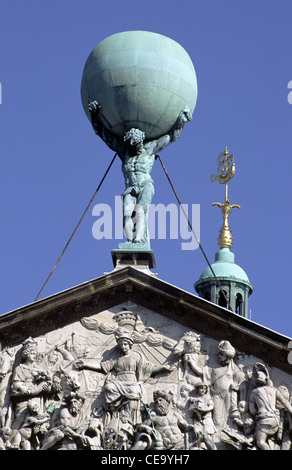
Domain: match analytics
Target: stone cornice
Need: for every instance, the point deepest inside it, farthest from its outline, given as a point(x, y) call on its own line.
point(130, 284)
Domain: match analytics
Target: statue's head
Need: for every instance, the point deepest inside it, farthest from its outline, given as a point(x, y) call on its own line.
point(124, 341)
point(202, 388)
point(260, 375)
point(74, 402)
point(122, 335)
point(162, 401)
point(134, 137)
point(33, 406)
point(190, 342)
point(226, 352)
point(29, 349)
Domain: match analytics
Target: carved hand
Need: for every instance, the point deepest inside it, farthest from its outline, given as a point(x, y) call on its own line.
point(187, 358)
point(94, 107)
point(79, 364)
point(45, 387)
point(186, 115)
point(69, 432)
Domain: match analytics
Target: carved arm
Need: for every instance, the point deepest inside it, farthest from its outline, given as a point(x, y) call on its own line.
point(113, 142)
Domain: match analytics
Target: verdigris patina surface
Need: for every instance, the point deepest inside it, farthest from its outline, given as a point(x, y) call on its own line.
point(138, 90)
point(142, 80)
point(137, 156)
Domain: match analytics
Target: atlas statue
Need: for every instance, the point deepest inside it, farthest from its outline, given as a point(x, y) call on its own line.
point(138, 91)
point(137, 156)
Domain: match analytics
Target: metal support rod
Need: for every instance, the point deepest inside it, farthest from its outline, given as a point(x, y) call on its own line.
point(198, 241)
point(76, 228)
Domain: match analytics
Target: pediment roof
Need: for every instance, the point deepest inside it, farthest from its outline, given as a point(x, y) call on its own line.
point(130, 284)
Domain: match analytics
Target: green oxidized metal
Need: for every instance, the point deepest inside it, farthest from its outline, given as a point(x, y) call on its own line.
point(225, 268)
point(142, 80)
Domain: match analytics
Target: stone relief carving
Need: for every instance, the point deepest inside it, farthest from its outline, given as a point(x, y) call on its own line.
point(117, 384)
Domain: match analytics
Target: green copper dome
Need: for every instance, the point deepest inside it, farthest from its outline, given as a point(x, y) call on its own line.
point(225, 268)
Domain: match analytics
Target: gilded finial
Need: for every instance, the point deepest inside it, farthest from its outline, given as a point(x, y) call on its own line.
point(226, 170)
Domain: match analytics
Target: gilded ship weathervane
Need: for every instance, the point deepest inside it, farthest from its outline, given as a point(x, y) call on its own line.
point(226, 170)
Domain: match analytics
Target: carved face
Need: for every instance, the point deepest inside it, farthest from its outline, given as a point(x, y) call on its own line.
point(223, 358)
point(260, 378)
point(30, 354)
point(33, 406)
point(192, 345)
point(134, 137)
point(6, 432)
point(248, 373)
point(56, 383)
point(161, 406)
point(242, 406)
point(72, 381)
point(75, 406)
point(53, 357)
point(124, 345)
point(202, 389)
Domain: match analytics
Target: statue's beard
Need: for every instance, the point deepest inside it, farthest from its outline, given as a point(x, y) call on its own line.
point(136, 148)
point(162, 409)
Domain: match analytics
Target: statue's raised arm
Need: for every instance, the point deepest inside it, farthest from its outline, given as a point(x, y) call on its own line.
point(184, 117)
point(158, 145)
point(118, 144)
point(114, 142)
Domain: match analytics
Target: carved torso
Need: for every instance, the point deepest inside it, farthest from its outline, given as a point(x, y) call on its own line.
point(136, 169)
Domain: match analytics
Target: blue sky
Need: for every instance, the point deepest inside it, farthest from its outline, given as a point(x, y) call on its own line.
point(51, 161)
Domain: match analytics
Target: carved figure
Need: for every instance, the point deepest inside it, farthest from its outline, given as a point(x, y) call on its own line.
point(94, 429)
point(137, 156)
point(244, 389)
point(202, 407)
point(224, 381)
point(28, 380)
point(187, 350)
point(184, 401)
point(6, 364)
point(125, 375)
point(284, 431)
point(165, 428)
point(263, 405)
point(240, 432)
point(132, 323)
point(33, 429)
point(5, 434)
point(66, 434)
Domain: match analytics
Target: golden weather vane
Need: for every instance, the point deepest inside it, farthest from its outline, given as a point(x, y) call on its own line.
point(226, 170)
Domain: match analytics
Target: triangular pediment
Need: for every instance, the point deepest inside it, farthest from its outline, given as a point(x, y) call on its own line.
point(117, 345)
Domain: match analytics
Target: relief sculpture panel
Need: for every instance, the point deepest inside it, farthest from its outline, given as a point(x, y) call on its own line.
point(130, 379)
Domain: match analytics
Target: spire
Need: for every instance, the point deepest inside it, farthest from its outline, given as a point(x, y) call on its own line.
point(233, 279)
point(226, 170)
